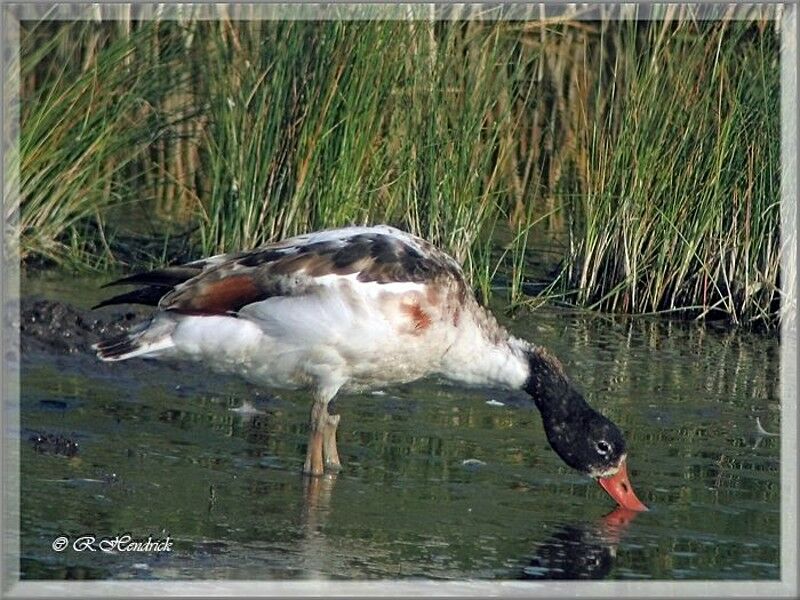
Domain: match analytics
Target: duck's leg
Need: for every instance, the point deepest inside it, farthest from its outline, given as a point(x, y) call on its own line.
point(329, 449)
point(322, 434)
point(317, 421)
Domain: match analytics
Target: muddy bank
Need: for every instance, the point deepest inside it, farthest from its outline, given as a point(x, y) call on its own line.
point(63, 328)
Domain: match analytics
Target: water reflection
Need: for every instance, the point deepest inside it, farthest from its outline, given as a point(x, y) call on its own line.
point(580, 551)
point(318, 550)
point(317, 505)
point(217, 464)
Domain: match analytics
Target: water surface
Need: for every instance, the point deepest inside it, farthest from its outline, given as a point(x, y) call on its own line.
point(438, 482)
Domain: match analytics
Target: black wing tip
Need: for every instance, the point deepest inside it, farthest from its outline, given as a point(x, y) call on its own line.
point(149, 296)
point(146, 277)
point(127, 280)
point(153, 285)
point(166, 277)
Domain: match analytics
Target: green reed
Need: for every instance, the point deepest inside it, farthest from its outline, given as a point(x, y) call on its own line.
point(87, 119)
point(651, 148)
point(681, 210)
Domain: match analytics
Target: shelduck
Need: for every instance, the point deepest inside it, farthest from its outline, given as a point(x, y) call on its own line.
point(352, 309)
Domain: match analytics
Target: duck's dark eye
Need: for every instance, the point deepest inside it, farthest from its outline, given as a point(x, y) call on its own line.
point(603, 447)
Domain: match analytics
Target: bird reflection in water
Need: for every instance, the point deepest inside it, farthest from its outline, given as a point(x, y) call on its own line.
point(317, 557)
point(317, 503)
point(583, 551)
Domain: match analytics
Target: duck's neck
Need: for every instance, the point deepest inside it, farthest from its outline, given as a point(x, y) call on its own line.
point(484, 353)
point(481, 352)
point(554, 394)
point(517, 364)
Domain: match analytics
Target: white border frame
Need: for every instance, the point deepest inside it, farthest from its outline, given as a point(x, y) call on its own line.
point(12, 587)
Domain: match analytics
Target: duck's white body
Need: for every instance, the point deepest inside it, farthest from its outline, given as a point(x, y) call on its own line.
point(343, 337)
point(351, 308)
point(341, 332)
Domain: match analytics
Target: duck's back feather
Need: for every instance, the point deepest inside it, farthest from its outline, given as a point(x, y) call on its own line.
point(226, 284)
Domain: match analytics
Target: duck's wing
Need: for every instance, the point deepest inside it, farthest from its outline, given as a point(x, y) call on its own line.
point(153, 285)
point(226, 284)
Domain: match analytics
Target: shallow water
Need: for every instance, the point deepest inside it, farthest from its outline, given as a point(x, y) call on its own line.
point(438, 482)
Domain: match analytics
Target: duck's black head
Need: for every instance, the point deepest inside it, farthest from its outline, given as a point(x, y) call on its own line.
point(583, 438)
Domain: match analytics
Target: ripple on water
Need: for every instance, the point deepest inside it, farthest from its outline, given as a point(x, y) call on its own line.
point(411, 501)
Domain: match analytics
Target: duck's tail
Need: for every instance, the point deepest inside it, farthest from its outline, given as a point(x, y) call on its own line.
point(147, 340)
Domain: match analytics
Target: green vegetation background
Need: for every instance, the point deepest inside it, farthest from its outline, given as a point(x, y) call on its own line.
point(642, 158)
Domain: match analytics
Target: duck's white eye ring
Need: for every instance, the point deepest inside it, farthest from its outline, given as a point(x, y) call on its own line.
point(603, 447)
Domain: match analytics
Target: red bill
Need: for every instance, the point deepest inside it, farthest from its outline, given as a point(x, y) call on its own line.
point(620, 489)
